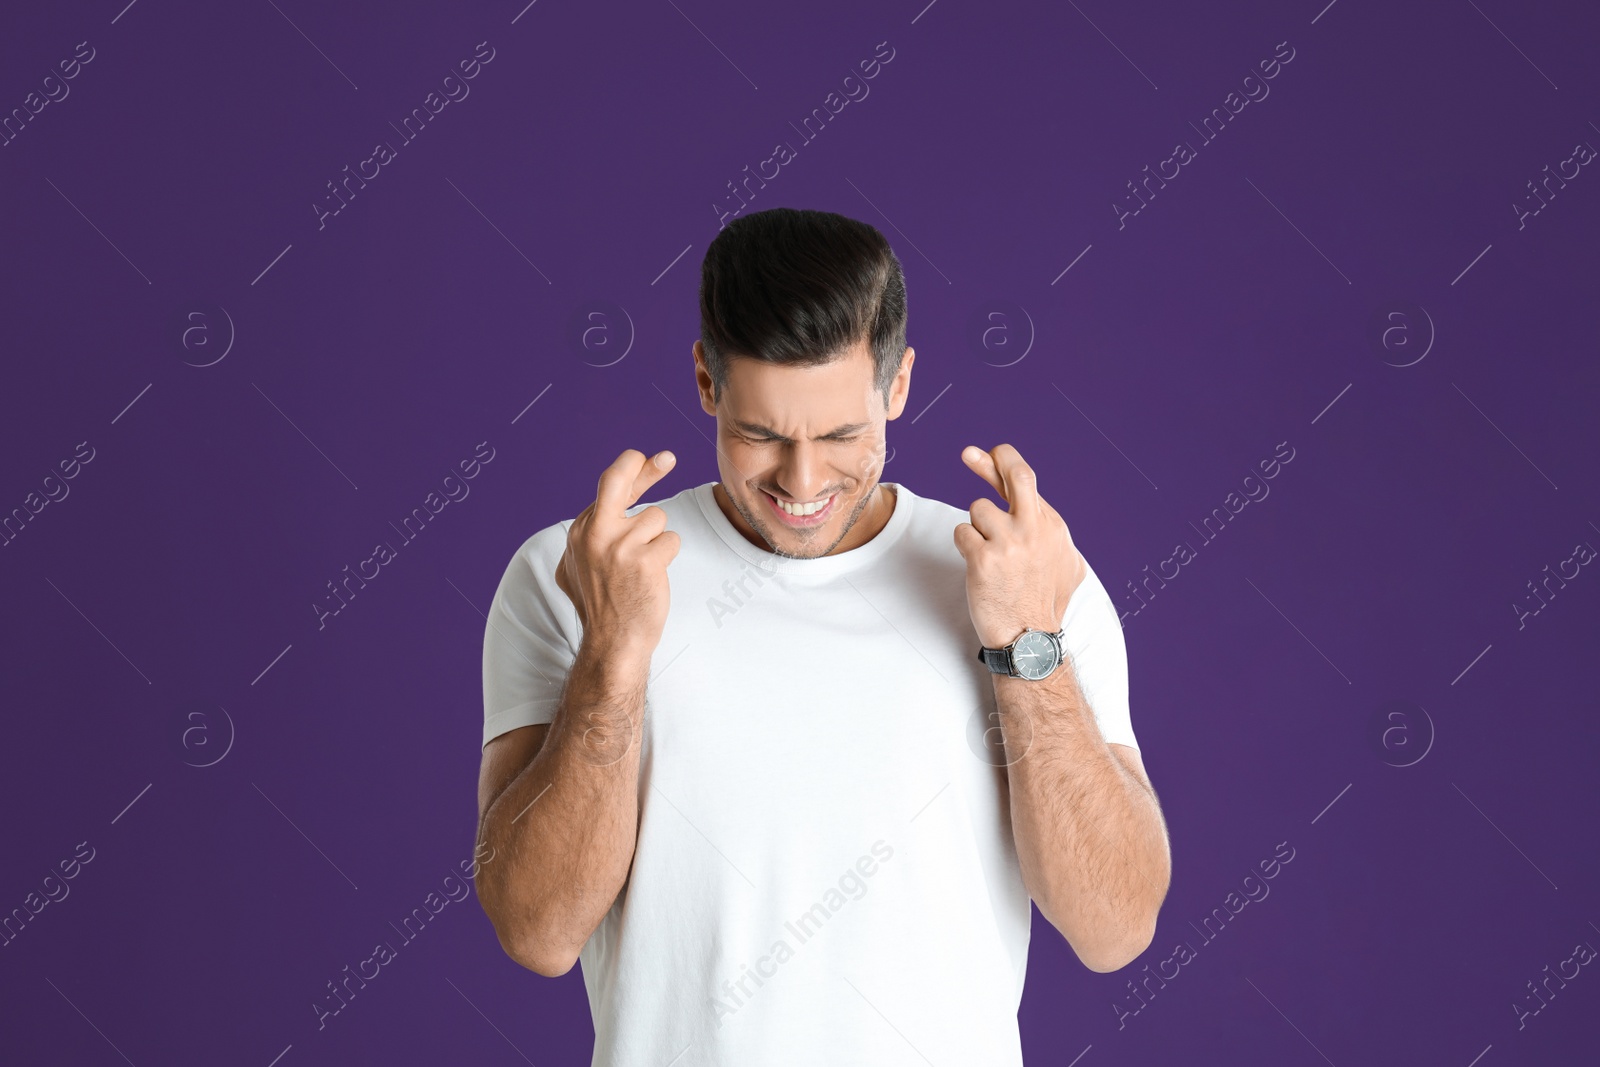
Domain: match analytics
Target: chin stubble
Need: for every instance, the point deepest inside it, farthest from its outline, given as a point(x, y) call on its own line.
point(760, 526)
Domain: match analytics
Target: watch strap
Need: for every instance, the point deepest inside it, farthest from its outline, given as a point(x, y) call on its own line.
point(998, 660)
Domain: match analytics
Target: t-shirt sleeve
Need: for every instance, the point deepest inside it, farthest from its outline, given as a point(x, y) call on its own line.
point(1100, 657)
point(530, 639)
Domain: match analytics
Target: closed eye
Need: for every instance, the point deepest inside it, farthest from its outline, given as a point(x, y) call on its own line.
point(785, 440)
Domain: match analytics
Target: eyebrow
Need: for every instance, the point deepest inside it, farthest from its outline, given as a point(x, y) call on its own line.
point(763, 431)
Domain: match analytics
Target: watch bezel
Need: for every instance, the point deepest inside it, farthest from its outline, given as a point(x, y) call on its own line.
point(1031, 636)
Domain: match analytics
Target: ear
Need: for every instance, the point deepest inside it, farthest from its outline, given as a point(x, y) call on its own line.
point(900, 388)
point(702, 378)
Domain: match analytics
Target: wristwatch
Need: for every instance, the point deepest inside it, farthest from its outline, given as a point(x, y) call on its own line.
point(1034, 655)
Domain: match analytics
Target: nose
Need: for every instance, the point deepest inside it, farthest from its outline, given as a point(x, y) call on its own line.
point(802, 475)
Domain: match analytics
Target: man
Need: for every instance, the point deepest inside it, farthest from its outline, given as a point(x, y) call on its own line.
point(780, 804)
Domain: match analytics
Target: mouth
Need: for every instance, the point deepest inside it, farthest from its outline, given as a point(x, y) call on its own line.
point(797, 519)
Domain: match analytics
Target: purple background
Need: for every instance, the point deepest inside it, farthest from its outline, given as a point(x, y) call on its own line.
point(159, 617)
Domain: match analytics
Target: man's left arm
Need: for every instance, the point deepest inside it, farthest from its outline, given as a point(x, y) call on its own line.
point(1090, 838)
point(1091, 841)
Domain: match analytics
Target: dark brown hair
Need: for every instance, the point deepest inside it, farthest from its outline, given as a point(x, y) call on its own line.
point(796, 286)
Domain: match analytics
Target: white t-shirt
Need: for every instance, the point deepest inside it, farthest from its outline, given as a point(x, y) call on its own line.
point(824, 870)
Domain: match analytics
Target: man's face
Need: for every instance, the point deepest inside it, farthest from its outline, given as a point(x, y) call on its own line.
point(808, 437)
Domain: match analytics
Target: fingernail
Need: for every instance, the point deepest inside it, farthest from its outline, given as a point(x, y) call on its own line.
point(666, 459)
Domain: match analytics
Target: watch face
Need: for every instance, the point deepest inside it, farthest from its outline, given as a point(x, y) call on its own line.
point(1035, 655)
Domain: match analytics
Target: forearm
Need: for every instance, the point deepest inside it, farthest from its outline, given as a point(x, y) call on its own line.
point(563, 831)
point(1090, 837)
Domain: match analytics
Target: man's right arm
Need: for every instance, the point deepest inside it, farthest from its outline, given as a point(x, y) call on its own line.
point(558, 814)
point(558, 806)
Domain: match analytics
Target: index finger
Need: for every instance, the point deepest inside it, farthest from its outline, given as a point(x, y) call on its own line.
point(622, 483)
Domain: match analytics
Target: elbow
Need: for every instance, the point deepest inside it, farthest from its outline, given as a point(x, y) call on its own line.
point(1112, 944)
point(1109, 954)
point(539, 955)
point(1113, 957)
point(549, 965)
point(524, 938)
point(526, 942)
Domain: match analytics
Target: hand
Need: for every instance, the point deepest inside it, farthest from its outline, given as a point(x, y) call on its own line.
point(614, 569)
point(1022, 567)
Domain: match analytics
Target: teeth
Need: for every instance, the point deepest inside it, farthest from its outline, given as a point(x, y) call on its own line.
point(802, 509)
